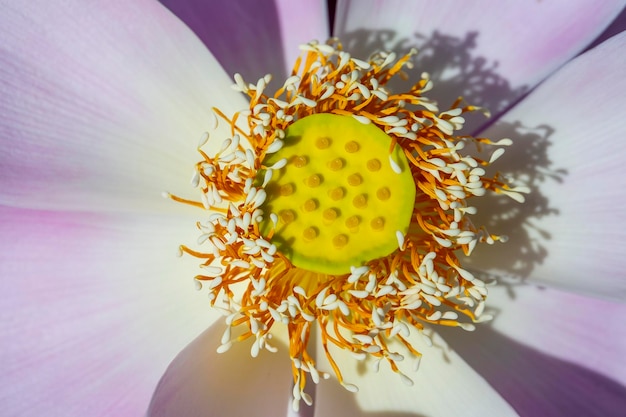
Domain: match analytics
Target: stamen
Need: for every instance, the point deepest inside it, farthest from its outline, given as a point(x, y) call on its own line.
point(340, 204)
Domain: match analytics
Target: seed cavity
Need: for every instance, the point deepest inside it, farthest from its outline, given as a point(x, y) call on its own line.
point(287, 216)
point(300, 161)
point(322, 143)
point(383, 193)
point(374, 165)
point(337, 193)
point(377, 223)
point(336, 164)
point(360, 201)
point(310, 233)
point(353, 221)
point(355, 179)
point(340, 241)
point(310, 205)
point(331, 214)
point(287, 189)
point(352, 146)
point(314, 180)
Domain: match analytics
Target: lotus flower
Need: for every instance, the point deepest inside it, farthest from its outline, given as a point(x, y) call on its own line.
point(102, 107)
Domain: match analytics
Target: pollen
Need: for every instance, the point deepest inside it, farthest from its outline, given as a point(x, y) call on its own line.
point(338, 204)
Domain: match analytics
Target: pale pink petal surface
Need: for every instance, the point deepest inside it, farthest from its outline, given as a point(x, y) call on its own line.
point(489, 51)
point(551, 353)
point(254, 37)
point(444, 385)
point(95, 306)
point(102, 104)
point(568, 234)
point(93, 309)
point(617, 26)
point(203, 383)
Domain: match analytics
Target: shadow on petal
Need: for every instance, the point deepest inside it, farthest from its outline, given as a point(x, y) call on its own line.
point(456, 70)
point(617, 26)
point(534, 383)
point(527, 163)
point(452, 65)
point(200, 382)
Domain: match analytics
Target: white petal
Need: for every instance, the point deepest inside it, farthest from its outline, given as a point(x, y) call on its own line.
point(254, 37)
point(201, 382)
point(551, 353)
point(102, 104)
point(570, 150)
point(94, 307)
point(489, 51)
point(444, 386)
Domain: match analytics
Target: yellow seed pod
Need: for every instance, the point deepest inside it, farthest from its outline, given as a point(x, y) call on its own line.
point(345, 192)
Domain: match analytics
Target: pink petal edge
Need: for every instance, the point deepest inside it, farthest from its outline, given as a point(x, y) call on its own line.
point(102, 104)
point(488, 51)
point(252, 37)
point(94, 307)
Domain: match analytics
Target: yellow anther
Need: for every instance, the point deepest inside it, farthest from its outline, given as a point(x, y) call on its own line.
point(300, 161)
point(352, 146)
point(355, 179)
point(322, 143)
point(373, 165)
point(287, 189)
point(360, 201)
point(377, 223)
point(336, 164)
point(383, 193)
point(314, 180)
point(340, 240)
point(310, 205)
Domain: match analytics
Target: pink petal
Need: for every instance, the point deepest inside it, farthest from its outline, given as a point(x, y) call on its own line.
point(550, 353)
point(254, 37)
point(569, 150)
point(489, 51)
point(102, 104)
point(202, 383)
point(301, 22)
point(94, 307)
point(617, 26)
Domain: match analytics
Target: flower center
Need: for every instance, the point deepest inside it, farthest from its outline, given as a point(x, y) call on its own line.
point(341, 205)
point(342, 198)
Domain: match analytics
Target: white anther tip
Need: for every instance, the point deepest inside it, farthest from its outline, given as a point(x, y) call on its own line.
point(394, 166)
point(351, 387)
point(400, 237)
